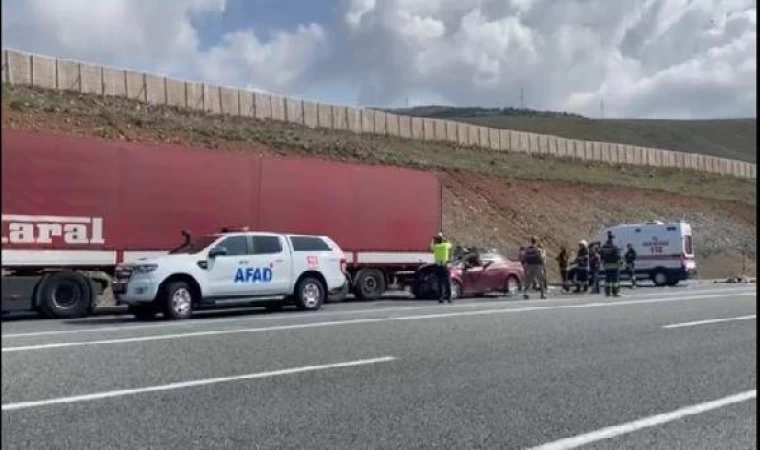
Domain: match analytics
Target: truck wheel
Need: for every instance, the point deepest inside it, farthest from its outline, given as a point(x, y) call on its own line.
point(65, 295)
point(369, 284)
point(310, 294)
point(339, 296)
point(143, 312)
point(177, 301)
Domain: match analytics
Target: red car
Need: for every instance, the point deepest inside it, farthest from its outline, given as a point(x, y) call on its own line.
point(473, 276)
point(484, 274)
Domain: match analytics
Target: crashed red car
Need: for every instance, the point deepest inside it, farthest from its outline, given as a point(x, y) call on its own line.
point(473, 276)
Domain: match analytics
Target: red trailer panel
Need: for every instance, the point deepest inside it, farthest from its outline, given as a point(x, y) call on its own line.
point(144, 195)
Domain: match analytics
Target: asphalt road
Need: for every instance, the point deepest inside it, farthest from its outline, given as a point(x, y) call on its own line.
point(656, 369)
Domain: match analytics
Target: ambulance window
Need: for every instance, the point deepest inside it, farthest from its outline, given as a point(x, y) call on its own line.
point(687, 245)
point(266, 245)
point(235, 245)
point(309, 244)
point(671, 228)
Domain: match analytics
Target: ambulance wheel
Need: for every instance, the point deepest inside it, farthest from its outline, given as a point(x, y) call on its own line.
point(310, 294)
point(177, 301)
point(369, 284)
point(660, 278)
point(64, 295)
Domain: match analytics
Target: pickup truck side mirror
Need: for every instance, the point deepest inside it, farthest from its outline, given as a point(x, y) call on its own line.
point(217, 251)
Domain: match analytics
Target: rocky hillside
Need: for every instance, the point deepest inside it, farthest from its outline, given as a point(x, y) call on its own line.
point(490, 198)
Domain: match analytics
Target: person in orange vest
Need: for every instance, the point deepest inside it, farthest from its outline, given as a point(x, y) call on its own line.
point(441, 249)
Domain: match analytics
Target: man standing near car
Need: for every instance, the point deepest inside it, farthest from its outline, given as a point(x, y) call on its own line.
point(630, 265)
point(563, 260)
point(534, 263)
point(441, 249)
point(611, 262)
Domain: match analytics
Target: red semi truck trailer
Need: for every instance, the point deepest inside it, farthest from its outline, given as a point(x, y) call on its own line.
point(74, 208)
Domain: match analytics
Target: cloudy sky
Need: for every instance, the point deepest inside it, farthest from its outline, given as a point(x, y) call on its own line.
point(642, 58)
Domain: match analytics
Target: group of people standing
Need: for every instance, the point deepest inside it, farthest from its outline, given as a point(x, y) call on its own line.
point(591, 261)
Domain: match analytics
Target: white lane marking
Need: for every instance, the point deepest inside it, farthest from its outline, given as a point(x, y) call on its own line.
point(325, 314)
point(659, 419)
point(344, 322)
point(189, 384)
point(708, 321)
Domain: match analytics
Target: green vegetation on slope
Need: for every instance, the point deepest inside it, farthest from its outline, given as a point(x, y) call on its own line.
point(729, 138)
point(118, 117)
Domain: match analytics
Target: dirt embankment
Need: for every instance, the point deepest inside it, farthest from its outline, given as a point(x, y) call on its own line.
point(492, 199)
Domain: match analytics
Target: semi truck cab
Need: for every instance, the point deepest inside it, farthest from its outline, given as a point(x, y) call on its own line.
point(233, 268)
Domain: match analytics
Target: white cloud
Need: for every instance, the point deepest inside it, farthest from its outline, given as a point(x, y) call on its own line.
point(646, 58)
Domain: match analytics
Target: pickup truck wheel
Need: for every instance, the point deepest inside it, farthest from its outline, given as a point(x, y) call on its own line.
point(310, 294)
point(369, 284)
point(177, 301)
point(65, 295)
point(143, 312)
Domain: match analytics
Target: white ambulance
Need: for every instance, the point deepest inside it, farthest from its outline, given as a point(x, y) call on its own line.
point(665, 251)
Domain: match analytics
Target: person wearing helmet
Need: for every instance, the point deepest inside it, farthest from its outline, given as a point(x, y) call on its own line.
point(611, 262)
point(441, 249)
point(582, 267)
point(630, 264)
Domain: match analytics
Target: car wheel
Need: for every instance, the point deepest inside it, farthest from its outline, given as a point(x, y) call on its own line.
point(178, 301)
point(511, 285)
point(310, 294)
point(456, 289)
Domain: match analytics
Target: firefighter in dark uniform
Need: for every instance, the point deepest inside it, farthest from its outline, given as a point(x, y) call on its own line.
point(581, 267)
point(611, 262)
point(630, 264)
point(563, 260)
point(594, 265)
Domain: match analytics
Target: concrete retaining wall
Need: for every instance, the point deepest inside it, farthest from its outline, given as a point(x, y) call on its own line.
point(50, 73)
point(310, 116)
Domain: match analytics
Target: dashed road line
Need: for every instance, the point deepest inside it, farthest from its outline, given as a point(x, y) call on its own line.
point(480, 312)
point(190, 384)
point(659, 419)
point(325, 314)
point(708, 321)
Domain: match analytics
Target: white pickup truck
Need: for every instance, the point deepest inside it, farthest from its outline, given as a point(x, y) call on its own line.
point(233, 268)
